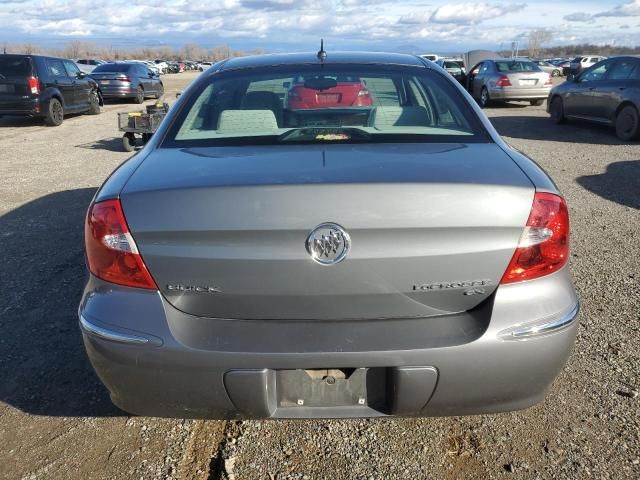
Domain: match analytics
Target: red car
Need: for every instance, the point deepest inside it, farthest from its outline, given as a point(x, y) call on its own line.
point(326, 92)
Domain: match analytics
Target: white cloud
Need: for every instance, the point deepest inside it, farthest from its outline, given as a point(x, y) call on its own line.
point(299, 24)
point(579, 17)
point(629, 9)
point(468, 13)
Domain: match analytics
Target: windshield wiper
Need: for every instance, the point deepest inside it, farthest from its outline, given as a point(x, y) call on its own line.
point(324, 134)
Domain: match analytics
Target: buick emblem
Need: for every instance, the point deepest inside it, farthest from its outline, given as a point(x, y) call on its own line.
point(328, 243)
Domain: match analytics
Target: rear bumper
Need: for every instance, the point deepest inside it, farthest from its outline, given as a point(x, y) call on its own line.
point(31, 107)
point(118, 91)
point(158, 361)
point(507, 93)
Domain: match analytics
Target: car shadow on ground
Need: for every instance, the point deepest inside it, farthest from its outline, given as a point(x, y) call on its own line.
point(620, 183)
point(542, 128)
point(21, 122)
point(112, 144)
point(14, 121)
point(43, 366)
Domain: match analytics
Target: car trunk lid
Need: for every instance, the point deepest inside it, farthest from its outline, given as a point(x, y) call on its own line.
point(527, 80)
point(107, 78)
point(223, 230)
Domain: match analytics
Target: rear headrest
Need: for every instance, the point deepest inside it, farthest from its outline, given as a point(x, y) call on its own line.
point(260, 100)
point(384, 117)
point(247, 121)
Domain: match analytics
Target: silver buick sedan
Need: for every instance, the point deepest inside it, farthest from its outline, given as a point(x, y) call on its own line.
point(332, 235)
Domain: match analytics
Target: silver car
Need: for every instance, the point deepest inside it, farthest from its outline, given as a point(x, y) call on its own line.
point(508, 79)
point(548, 67)
point(270, 254)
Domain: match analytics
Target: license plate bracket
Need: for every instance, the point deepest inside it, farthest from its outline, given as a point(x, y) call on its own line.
point(337, 387)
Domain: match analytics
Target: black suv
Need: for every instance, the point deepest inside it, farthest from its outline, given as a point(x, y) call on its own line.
point(46, 87)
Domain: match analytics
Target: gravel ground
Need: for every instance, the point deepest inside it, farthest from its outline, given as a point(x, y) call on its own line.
point(56, 420)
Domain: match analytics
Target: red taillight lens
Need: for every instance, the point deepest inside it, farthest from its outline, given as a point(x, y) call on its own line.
point(123, 78)
point(544, 244)
point(503, 81)
point(549, 81)
point(34, 85)
point(112, 254)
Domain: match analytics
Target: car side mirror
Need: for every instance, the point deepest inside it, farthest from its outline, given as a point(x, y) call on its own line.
point(81, 74)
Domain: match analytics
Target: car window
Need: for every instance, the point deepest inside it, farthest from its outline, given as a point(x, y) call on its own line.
point(316, 104)
point(452, 65)
point(112, 67)
point(622, 69)
point(72, 68)
point(484, 67)
point(596, 73)
point(507, 66)
point(55, 68)
point(14, 66)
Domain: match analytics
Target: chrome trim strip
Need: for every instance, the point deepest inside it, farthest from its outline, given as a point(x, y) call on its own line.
point(523, 332)
point(110, 334)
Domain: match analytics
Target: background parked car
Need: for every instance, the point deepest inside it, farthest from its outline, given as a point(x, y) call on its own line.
point(150, 65)
point(607, 93)
point(90, 61)
point(431, 56)
point(549, 68)
point(454, 67)
point(326, 92)
point(161, 65)
point(128, 80)
point(46, 87)
point(204, 65)
point(582, 62)
point(508, 79)
point(563, 64)
point(87, 65)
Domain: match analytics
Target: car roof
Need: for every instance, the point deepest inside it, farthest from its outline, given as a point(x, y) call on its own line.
point(31, 55)
point(332, 58)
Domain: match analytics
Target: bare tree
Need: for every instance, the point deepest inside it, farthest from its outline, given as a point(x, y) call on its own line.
point(73, 49)
point(537, 38)
point(191, 51)
point(30, 49)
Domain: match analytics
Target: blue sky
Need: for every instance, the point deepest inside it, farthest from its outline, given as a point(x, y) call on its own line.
point(281, 25)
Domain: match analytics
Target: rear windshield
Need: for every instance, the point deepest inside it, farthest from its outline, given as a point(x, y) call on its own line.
point(334, 104)
point(517, 66)
point(15, 66)
point(112, 67)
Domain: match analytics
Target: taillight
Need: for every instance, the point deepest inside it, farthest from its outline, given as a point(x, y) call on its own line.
point(34, 85)
point(544, 245)
point(112, 254)
point(549, 81)
point(503, 81)
point(123, 78)
point(363, 93)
